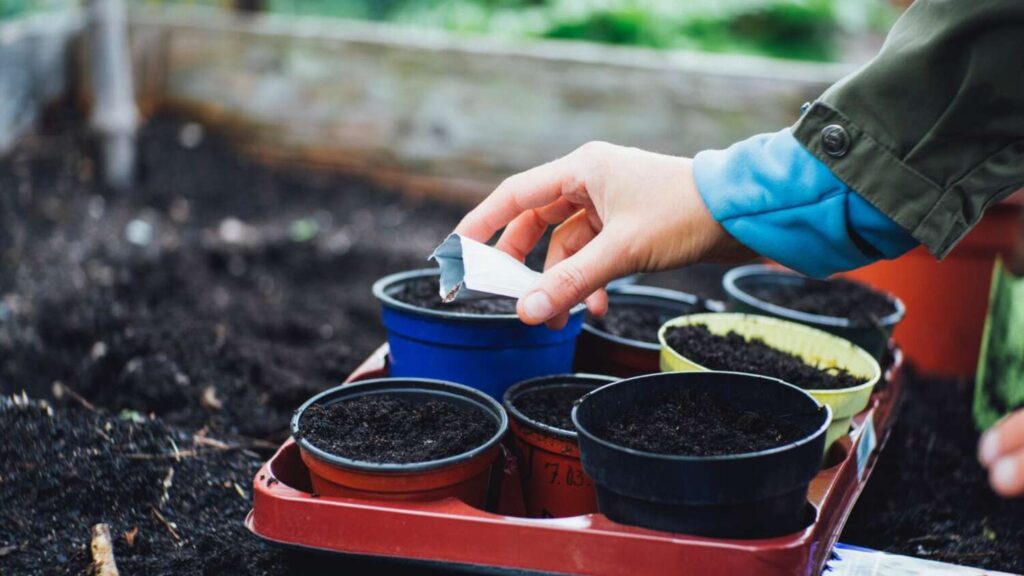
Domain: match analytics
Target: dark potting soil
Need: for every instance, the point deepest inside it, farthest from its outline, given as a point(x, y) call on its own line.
point(424, 292)
point(216, 295)
point(233, 294)
point(67, 469)
point(551, 405)
point(388, 429)
point(690, 423)
point(838, 298)
point(928, 496)
point(735, 353)
point(634, 321)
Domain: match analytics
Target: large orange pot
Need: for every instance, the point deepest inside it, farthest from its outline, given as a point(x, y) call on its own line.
point(946, 301)
point(464, 476)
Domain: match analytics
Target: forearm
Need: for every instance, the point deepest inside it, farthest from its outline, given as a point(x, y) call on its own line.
point(775, 197)
point(931, 132)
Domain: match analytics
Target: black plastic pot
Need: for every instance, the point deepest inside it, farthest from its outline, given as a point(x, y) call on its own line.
point(741, 283)
point(752, 495)
point(601, 352)
point(464, 476)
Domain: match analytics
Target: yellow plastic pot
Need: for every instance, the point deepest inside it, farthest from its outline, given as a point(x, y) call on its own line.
point(814, 346)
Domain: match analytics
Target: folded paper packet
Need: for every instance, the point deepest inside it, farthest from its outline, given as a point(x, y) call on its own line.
point(471, 269)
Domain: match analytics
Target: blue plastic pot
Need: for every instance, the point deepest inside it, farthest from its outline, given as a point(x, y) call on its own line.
point(489, 352)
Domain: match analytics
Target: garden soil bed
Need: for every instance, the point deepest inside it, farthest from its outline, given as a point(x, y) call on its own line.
point(242, 292)
point(735, 353)
point(387, 429)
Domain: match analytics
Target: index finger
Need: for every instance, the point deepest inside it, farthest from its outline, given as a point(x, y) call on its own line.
point(534, 188)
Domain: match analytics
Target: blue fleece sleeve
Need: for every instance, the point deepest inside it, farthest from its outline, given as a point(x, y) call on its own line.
point(779, 200)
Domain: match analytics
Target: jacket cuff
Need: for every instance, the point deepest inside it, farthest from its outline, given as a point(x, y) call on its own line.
point(931, 215)
point(776, 198)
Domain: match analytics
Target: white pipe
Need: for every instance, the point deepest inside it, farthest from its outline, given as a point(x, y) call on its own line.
point(114, 115)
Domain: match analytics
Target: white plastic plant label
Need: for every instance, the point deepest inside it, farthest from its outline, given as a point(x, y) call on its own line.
point(854, 561)
point(471, 269)
point(867, 444)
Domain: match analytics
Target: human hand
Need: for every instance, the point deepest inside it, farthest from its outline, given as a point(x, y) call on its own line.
point(1001, 451)
point(617, 210)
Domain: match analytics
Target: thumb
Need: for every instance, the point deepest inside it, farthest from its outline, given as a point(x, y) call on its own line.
point(569, 282)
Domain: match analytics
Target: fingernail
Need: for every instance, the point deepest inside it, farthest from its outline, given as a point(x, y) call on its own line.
point(988, 448)
point(538, 306)
point(1004, 474)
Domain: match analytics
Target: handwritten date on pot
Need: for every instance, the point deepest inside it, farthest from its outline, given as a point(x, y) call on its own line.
point(569, 475)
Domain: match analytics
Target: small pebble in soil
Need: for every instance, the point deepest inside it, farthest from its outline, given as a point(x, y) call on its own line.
point(551, 405)
point(139, 232)
point(837, 298)
point(385, 428)
point(634, 321)
point(690, 423)
point(425, 293)
point(735, 353)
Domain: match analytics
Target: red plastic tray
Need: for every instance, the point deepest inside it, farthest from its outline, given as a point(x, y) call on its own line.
point(285, 511)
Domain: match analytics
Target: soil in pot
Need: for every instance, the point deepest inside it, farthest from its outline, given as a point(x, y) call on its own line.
point(384, 428)
point(733, 352)
point(863, 306)
point(690, 423)
point(424, 293)
point(634, 321)
point(551, 405)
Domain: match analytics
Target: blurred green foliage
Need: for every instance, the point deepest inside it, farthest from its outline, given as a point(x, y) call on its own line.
point(798, 29)
point(14, 8)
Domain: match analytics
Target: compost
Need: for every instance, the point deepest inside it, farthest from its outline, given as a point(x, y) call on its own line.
point(551, 405)
point(634, 321)
point(735, 353)
point(839, 298)
point(928, 496)
point(251, 294)
point(692, 423)
point(388, 429)
point(424, 293)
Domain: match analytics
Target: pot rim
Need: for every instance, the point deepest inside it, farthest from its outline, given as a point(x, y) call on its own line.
point(729, 284)
point(653, 292)
point(381, 286)
point(581, 380)
point(397, 385)
point(870, 380)
point(810, 437)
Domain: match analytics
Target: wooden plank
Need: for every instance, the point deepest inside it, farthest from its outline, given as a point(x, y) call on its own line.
point(452, 110)
point(34, 66)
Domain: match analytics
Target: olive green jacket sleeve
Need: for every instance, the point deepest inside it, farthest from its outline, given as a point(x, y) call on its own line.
point(931, 132)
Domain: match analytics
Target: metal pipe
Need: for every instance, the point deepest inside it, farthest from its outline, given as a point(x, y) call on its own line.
point(114, 115)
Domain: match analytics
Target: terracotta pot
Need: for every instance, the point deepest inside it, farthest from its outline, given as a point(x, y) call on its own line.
point(554, 484)
point(464, 476)
point(599, 352)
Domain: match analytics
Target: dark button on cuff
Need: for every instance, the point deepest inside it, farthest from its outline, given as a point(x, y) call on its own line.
point(835, 140)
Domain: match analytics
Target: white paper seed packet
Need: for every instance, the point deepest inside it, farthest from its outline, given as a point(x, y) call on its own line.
point(471, 269)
